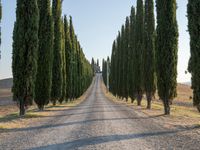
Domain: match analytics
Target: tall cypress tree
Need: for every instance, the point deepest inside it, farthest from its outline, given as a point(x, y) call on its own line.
point(166, 51)
point(78, 69)
point(194, 63)
point(138, 63)
point(72, 60)
point(113, 70)
point(57, 76)
point(25, 47)
point(104, 72)
point(68, 47)
point(118, 65)
point(45, 55)
point(132, 53)
point(75, 67)
point(149, 52)
point(126, 59)
point(93, 65)
point(122, 54)
point(64, 77)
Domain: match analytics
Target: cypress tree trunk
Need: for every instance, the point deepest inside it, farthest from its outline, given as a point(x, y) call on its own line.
point(45, 55)
point(21, 107)
point(149, 98)
point(25, 47)
point(166, 51)
point(194, 63)
point(57, 76)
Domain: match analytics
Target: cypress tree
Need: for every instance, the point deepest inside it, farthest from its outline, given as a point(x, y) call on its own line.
point(79, 69)
point(104, 71)
point(126, 59)
point(122, 73)
point(45, 55)
point(149, 52)
point(75, 68)
point(118, 66)
point(132, 53)
point(68, 47)
point(113, 70)
point(138, 64)
point(57, 76)
point(25, 47)
point(72, 60)
point(64, 77)
point(166, 51)
point(108, 72)
point(193, 11)
point(93, 65)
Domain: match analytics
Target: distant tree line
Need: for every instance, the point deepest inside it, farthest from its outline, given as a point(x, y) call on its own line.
point(95, 66)
point(48, 60)
point(105, 70)
point(144, 58)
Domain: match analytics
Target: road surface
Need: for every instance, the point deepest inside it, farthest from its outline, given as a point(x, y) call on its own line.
point(99, 124)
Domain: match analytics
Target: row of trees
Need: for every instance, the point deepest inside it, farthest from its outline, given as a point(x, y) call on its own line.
point(194, 63)
point(143, 56)
point(48, 61)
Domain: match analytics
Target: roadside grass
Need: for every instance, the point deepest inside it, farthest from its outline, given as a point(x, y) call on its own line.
point(13, 120)
point(9, 118)
point(180, 115)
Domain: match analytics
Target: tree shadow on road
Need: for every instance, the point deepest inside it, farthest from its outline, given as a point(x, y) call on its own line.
point(52, 126)
point(106, 139)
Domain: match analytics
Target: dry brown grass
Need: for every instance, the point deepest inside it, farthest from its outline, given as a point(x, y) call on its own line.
point(10, 119)
point(180, 115)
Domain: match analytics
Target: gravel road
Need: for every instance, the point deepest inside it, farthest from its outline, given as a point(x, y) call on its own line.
point(100, 124)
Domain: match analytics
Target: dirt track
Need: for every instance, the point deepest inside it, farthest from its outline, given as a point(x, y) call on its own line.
point(99, 124)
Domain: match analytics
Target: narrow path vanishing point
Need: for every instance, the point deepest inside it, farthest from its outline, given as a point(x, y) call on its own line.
point(99, 124)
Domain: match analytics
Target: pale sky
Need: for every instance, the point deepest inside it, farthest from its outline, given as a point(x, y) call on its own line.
point(96, 23)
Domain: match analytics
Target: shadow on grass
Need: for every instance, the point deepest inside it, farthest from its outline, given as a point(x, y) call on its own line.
point(80, 143)
point(15, 116)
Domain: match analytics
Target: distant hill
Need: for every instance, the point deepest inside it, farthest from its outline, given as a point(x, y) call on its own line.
point(186, 83)
point(6, 83)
